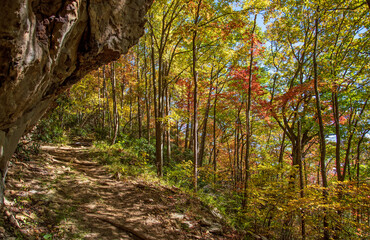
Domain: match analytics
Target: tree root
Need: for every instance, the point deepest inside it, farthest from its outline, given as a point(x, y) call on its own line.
point(136, 235)
point(13, 221)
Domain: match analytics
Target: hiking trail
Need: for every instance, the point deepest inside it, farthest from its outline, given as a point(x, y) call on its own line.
point(62, 193)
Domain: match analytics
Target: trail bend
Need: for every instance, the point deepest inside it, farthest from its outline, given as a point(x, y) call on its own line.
point(63, 194)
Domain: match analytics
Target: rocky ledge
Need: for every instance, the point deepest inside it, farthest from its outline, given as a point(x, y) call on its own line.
point(48, 45)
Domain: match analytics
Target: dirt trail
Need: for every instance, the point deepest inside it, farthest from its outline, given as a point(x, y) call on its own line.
point(63, 194)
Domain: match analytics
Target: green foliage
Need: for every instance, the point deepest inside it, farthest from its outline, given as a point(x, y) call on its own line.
point(49, 130)
point(25, 148)
point(128, 157)
point(181, 174)
point(144, 149)
point(48, 236)
point(179, 154)
point(80, 132)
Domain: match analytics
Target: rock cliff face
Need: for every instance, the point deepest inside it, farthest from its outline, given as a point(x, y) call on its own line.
point(48, 45)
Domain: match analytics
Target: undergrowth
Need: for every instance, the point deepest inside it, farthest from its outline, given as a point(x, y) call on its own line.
point(136, 159)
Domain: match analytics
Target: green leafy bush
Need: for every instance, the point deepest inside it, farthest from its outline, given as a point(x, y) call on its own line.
point(132, 160)
point(181, 174)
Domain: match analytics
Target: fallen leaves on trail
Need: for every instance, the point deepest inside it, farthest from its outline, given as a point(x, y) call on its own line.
point(63, 194)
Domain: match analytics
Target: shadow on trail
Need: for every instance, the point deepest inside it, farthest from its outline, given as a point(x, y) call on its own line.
point(67, 195)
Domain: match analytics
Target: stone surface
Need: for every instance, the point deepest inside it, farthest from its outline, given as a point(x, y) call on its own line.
point(177, 216)
point(48, 45)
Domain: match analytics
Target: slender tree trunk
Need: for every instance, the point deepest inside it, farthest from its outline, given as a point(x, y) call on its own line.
point(158, 127)
point(301, 183)
point(352, 125)
point(215, 138)
point(358, 157)
point(282, 149)
point(147, 98)
point(159, 137)
point(147, 91)
point(321, 131)
point(242, 167)
point(230, 160)
point(177, 133)
point(195, 134)
point(346, 158)
point(234, 167)
point(168, 130)
point(186, 136)
point(205, 121)
point(138, 94)
point(247, 113)
point(195, 78)
point(107, 103)
point(104, 93)
point(122, 87)
point(139, 116)
point(237, 157)
point(148, 114)
point(186, 145)
point(130, 114)
point(114, 98)
point(191, 131)
point(101, 108)
point(337, 133)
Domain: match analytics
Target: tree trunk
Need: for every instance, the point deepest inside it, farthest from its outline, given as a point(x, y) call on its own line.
point(215, 138)
point(281, 151)
point(358, 157)
point(351, 127)
point(101, 108)
point(191, 133)
point(346, 158)
point(138, 94)
point(104, 96)
point(205, 121)
point(168, 130)
point(177, 132)
point(187, 130)
point(301, 183)
point(247, 113)
point(186, 135)
point(337, 133)
point(130, 113)
point(147, 94)
point(115, 112)
point(156, 100)
point(321, 131)
point(159, 137)
point(107, 102)
point(195, 117)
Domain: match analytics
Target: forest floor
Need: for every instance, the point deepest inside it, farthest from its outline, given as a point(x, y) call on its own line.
point(62, 193)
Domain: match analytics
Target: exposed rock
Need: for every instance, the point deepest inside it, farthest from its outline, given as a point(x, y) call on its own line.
point(216, 213)
point(187, 225)
point(177, 216)
point(216, 229)
point(205, 223)
point(48, 45)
